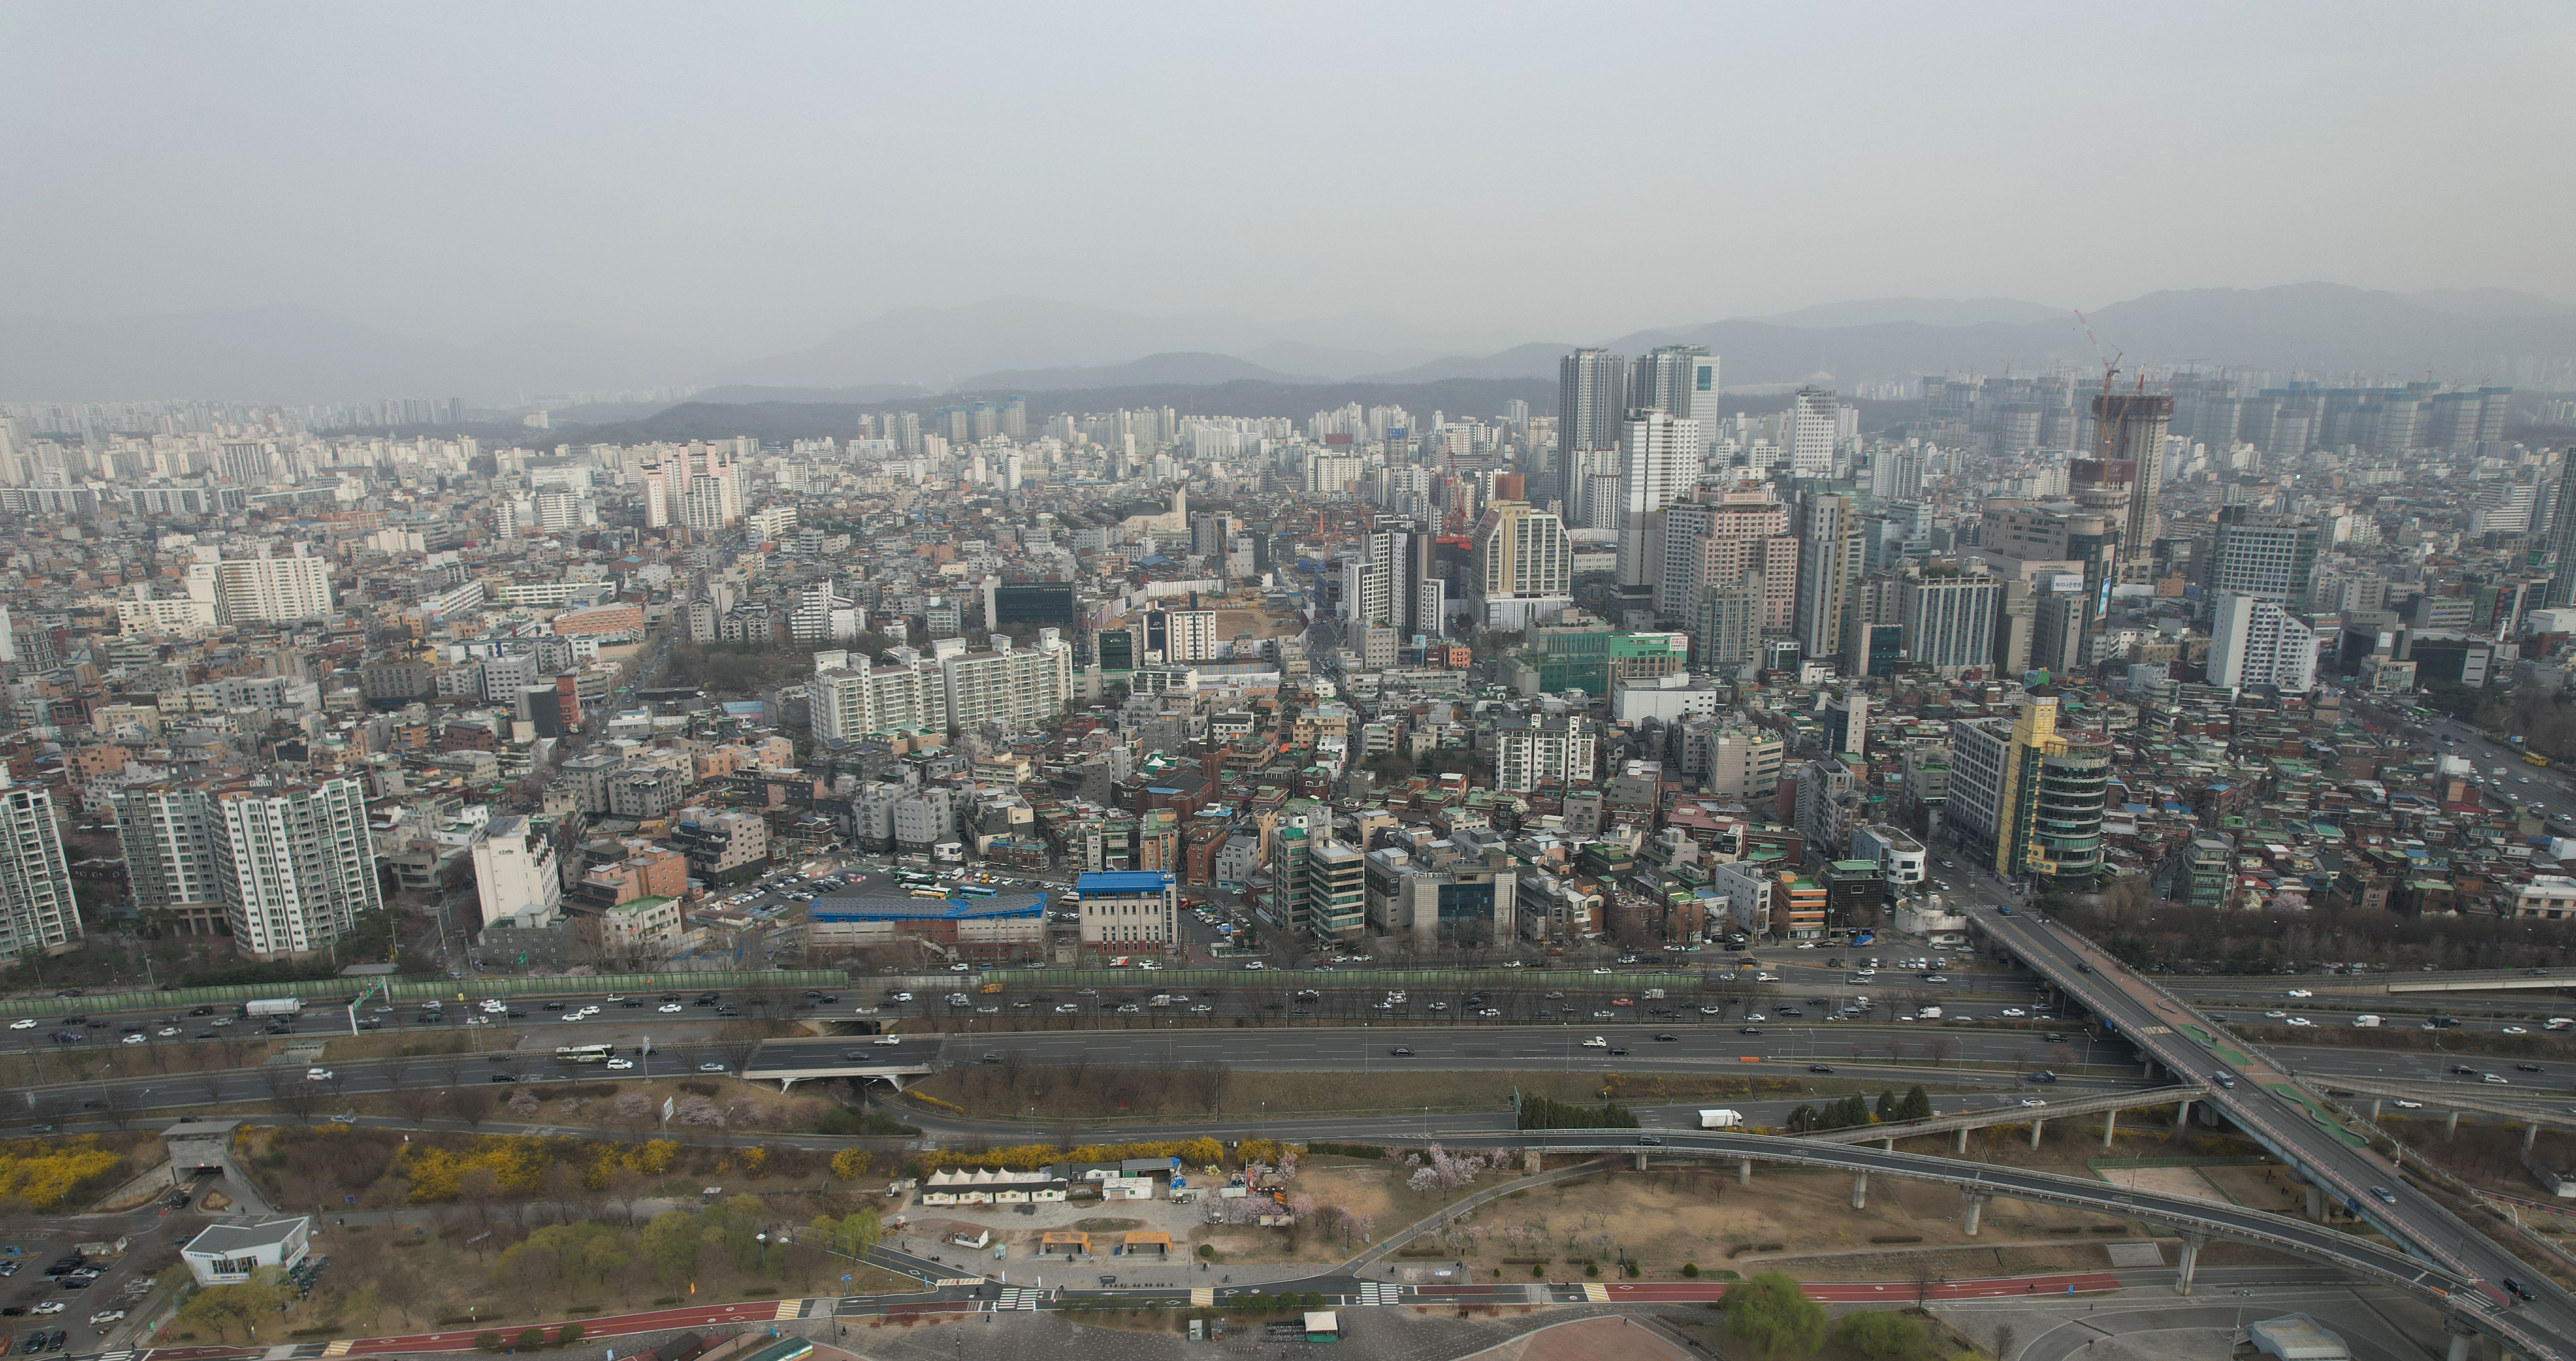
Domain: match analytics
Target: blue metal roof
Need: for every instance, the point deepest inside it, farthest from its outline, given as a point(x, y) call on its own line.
point(1125, 881)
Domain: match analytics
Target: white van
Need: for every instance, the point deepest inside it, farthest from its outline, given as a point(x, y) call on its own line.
point(2366, 1021)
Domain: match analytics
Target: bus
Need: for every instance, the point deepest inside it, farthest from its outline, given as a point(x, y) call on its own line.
point(2535, 758)
point(924, 891)
point(913, 877)
point(585, 1053)
point(975, 890)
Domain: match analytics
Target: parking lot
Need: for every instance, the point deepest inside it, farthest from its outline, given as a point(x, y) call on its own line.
point(54, 1297)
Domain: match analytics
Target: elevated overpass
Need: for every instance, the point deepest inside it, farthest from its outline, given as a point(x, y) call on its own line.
point(2455, 1097)
point(2108, 1104)
point(2196, 1221)
point(2297, 1127)
point(788, 1062)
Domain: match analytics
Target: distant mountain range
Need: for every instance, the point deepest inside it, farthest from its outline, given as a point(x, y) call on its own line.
point(1026, 345)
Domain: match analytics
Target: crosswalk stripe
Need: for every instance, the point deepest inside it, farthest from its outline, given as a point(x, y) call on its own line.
point(790, 1308)
point(1595, 1293)
point(1202, 1296)
point(339, 1348)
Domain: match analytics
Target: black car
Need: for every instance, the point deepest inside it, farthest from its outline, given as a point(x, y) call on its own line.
point(1666, 1036)
point(201, 1011)
point(2527, 1068)
point(1820, 1067)
point(35, 1341)
point(1617, 1050)
point(554, 1006)
point(1649, 1140)
point(631, 1002)
point(1401, 1052)
point(505, 1077)
point(2463, 1070)
point(1750, 1030)
point(55, 1342)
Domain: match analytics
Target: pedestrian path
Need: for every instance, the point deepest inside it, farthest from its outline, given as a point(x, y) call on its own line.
point(1595, 1293)
point(1018, 1297)
point(1379, 1292)
point(1202, 1297)
point(788, 1309)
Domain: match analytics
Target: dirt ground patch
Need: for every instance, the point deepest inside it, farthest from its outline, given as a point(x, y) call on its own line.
point(2188, 1182)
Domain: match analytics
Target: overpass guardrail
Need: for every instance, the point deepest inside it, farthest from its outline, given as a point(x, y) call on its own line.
point(327, 992)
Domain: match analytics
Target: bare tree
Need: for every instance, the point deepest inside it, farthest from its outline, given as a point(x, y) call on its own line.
point(1076, 1069)
point(1207, 1081)
point(118, 1104)
point(414, 1103)
point(290, 1093)
point(737, 1041)
point(473, 1105)
point(2003, 1342)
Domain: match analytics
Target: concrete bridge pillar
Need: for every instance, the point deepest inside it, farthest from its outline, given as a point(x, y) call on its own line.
point(2316, 1203)
point(2034, 1132)
point(2150, 1070)
point(1976, 1210)
point(1744, 1172)
point(2451, 1126)
point(2110, 1126)
point(1963, 1141)
point(1640, 1156)
point(2530, 1136)
point(1889, 1144)
point(1530, 1160)
point(2374, 1110)
point(2190, 1259)
point(2182, 1117)
point(1860, 1190)
point(2459, 1350)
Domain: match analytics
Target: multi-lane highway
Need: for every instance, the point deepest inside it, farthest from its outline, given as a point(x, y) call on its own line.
point(2262, 1101)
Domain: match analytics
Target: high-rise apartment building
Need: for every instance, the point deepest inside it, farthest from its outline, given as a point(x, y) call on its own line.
point(37, 909)
point(1524, 565)
point(1808, 430)
point(1949, 617)
point(1531, 750)
point(1681, 382)
point(262, 589)
point(294, 864)
point(1659, 459)
point(2131, 427)
point(1828, 543)
point(515, 875)
point(2029, 797)
point(2255, 642)
point(2562, 540)
point(2265, 555)
point(1718, 543)
point(1591, 396)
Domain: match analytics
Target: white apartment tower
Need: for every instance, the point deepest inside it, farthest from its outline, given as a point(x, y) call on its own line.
point(1809, 432)
point(2255, 642)
point(293, 864)
point(248, 590)
point(37, 910)
point(1659, 459)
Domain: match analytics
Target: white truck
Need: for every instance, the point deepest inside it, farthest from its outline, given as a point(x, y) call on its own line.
point(1721, 1119)
point(2366, 1021)
point(273, 1006)
point(1928, 1014)
point(1654, 994)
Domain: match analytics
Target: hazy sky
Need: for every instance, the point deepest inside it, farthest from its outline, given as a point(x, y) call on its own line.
point(748, 178)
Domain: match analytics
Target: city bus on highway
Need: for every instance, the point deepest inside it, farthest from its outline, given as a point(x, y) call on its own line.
point(585, 1053)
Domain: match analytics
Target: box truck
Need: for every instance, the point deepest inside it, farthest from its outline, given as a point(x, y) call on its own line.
point(273, 1006)
point(1720, 1119)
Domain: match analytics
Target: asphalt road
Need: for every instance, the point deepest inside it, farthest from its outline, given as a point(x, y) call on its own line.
point(2365, 1182)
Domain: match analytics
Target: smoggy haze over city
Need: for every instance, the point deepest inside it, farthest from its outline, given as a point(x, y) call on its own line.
point(729, 184)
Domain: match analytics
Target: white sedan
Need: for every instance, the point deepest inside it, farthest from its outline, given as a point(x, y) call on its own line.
point(669, 1008)
point(2301, 993)
point(2015, 1011)
point(2298, 1020)
point(137, 1039)
point(620, 1065)
point(28, 1023)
